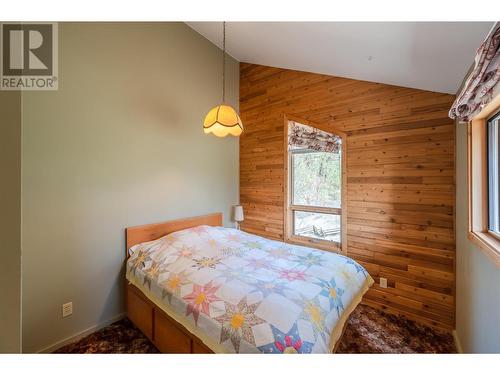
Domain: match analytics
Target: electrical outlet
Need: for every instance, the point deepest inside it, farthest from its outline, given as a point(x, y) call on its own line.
point(383, 282)
point(67, 309)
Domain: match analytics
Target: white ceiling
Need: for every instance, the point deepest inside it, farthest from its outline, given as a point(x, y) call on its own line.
point(431, 56)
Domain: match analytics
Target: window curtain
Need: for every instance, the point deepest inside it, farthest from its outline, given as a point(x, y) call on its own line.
point(481, 85)
point(306, 137)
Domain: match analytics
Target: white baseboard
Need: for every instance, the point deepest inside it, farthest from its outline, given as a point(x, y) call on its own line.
point(78, 336)
point(457, 342)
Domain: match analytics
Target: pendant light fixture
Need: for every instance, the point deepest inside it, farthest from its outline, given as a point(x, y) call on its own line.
point(223, 119)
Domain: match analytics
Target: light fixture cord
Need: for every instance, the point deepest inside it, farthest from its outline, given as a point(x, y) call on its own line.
point(223, 62)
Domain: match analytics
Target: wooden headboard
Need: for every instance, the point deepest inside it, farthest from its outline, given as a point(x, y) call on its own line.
point(150, 232)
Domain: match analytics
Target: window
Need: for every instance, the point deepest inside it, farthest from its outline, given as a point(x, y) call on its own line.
point(483, 180)
point(314, 209)
point(315, 187)
point(493, 174)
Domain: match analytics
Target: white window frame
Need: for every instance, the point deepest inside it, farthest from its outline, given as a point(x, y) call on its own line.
point(290, 208)
point(493, 170)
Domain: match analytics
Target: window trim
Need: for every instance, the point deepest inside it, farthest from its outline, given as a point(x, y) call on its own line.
point(477, 180)
point(289, 207)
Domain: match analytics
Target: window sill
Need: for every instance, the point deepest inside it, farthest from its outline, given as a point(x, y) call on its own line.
point(488, 244)
point(333, 247)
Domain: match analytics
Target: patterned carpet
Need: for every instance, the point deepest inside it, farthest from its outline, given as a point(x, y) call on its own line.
point(372, 331)
point(368, 331)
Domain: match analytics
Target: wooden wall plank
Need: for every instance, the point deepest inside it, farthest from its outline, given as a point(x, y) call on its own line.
point(400, 178)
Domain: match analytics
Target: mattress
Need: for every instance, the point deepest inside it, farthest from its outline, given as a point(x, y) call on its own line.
point(241, 293)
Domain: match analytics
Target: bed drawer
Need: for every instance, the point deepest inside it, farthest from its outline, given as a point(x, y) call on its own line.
point(140, 311)
point(168, 337)
point(199, 348)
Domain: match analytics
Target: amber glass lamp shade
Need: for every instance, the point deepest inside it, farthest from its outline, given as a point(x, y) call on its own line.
point(223, 120)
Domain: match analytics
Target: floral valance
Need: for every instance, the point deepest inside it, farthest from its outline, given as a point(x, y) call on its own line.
point(306, 137)
point(481, 85)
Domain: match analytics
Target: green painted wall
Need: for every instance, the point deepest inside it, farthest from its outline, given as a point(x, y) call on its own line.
point(119, 144)
point(10, 221)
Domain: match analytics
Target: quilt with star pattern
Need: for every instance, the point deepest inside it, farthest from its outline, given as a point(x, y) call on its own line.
point(241, 293)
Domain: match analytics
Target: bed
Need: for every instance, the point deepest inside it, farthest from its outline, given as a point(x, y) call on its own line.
point(194, 286)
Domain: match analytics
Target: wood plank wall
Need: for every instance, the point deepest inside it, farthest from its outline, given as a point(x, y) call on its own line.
point(400, 168)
